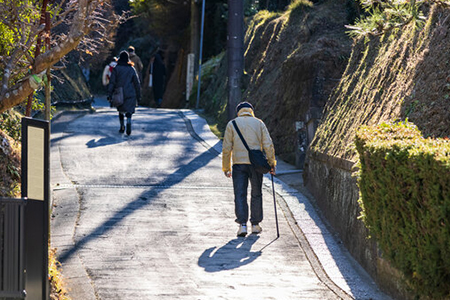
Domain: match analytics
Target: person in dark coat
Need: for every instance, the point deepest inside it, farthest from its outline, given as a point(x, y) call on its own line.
point(124, 75)
point(158, 72)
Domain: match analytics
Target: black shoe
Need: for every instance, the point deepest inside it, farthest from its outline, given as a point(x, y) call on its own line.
point(128, 128)
point(122, 129)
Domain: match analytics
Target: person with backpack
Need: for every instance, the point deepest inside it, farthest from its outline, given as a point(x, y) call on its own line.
point(108, 70)
point(124, 75)
point(256, 135)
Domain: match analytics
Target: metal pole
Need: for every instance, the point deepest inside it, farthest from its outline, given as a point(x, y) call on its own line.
point(200, 55)
point(235, 53)
point(275, 207)
point(48, 99)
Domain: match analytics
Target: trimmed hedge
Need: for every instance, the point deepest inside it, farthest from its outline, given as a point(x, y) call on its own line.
point(404, 182)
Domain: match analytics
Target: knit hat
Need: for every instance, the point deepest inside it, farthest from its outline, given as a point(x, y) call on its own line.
point(124, 57)
point(131, 49)
point(242, 105)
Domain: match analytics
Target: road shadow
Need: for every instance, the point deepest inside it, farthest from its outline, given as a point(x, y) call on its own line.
point(234, 254)
point(184, 170)
point(273, 241)
point(104, 141)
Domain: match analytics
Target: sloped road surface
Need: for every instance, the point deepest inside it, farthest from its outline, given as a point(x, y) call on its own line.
point(151, 216)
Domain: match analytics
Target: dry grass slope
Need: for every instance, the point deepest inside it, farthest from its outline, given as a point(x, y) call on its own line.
point(396, 76)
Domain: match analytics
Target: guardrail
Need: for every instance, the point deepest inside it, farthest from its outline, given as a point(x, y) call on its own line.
point(12, 232)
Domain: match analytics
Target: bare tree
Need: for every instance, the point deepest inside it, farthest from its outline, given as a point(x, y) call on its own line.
point(21, 21)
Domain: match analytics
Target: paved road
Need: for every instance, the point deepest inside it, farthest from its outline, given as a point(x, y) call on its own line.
point(151, 216)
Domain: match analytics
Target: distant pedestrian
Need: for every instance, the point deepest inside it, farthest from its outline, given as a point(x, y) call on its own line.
point(257, 136)
point(124, 75)
point(108, 70)
point(137, 62)
point(157, 78)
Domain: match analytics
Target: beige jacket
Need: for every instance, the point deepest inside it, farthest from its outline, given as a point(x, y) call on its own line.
point(255, 134)
point(137, 64)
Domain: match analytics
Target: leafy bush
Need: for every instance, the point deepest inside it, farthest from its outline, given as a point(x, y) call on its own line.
point(297, 7)
point(404, 183)
point(10, 123)
point(383, 16)
point(9, 166)
point(298, 4)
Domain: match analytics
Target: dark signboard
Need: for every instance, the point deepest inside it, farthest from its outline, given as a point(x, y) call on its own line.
point(36, 188)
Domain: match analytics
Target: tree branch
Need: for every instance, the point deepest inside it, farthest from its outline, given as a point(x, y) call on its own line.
point(81, 25)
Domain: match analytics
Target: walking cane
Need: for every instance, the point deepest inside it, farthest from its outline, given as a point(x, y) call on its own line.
point(275, 207)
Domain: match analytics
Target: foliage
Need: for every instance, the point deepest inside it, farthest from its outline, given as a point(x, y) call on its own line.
point(162, 18)
point(273, 5)
point(166, 24)
point(296, 4)
point(18, 21)
point(9, 166)
point(215, 33)
point(23, 29)
point(58, 290)
point(384, 16)
point(10, 120)
point(405, 200)
point(297, 7)
point(213, 94)
point(10, 123)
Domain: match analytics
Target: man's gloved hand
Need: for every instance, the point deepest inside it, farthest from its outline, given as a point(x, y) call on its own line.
point(227, 174)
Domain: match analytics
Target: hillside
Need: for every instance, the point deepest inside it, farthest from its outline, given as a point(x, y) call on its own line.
point(302, 60)
point(399, 75)
point(293, 60)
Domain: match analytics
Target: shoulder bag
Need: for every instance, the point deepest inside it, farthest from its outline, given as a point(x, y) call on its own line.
point(117, 97)
point(257, 158)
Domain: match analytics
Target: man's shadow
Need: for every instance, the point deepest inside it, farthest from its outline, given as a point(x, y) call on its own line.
point(232, 255)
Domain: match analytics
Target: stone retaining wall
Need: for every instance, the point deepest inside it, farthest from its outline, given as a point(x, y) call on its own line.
point(330, 181)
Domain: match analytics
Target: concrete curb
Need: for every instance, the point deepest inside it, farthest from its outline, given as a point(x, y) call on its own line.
point(64, 220)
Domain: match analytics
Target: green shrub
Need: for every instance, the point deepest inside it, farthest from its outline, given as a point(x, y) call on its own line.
point(10, 123)
point(404, 183)
point(382, 16)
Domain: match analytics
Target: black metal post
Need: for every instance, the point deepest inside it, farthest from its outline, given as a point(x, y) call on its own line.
point(36, 187)
point(275, 207)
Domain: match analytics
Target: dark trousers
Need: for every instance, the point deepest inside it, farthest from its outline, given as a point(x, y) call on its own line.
point(122, 117)
point(242, 174)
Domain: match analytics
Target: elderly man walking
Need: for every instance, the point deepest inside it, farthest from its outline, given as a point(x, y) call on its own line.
point(256, 135)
